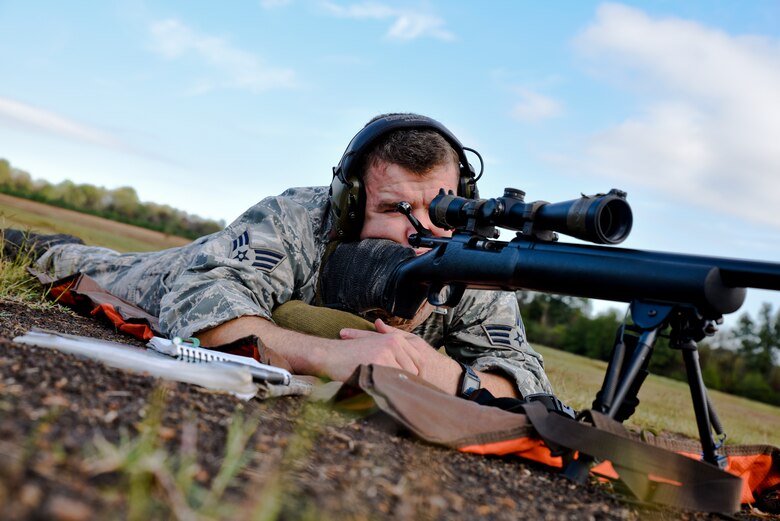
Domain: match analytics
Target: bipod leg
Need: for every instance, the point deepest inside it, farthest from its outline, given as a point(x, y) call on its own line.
point(619, 384)
point(606, 396)
point(715, 419)
point(702, 406)
point(643, 350)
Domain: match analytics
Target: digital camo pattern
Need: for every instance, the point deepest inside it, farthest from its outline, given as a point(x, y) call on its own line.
point(485, 331)
point(268, 256)
point(271, 254)
point(140, 278)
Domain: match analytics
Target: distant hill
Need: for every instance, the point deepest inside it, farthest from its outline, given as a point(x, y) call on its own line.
point(24, 214)
point(118, 204)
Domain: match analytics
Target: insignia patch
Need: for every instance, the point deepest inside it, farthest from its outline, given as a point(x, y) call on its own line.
point(500, 335)
point(263, 259)
point(241, 240)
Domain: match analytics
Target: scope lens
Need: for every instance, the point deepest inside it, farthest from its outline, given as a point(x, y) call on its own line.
point(614, 221)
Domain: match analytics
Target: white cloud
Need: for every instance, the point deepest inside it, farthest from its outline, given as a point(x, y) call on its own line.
point(26, 116)
point(407, 24)
point(236, 68)
point(535, 107)
point(708, 124)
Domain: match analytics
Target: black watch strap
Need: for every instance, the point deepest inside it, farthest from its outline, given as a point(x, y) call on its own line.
point(469, 381)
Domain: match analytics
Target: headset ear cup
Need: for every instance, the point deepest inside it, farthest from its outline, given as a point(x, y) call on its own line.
point(346, 206)
point(355, 208)
point(467, 184)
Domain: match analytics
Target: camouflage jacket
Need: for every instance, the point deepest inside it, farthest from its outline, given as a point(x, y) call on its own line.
point(271, 254)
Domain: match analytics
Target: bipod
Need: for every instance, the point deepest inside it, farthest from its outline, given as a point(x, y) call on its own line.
point(627, 371)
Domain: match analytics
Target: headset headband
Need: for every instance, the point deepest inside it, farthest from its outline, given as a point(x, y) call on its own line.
point(369, 134)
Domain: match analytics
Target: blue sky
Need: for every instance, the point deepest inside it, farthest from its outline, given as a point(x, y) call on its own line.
point(209, 107)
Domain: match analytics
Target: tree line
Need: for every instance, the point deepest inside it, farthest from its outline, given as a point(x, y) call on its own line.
point(118, 204)
point(741, 360)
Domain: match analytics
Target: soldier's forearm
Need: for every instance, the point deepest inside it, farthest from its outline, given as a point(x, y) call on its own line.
point(319, 356)
point(304, 353)
point(498, 385)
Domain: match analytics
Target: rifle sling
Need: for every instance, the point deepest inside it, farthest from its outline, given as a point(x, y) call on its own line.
point(688, 483)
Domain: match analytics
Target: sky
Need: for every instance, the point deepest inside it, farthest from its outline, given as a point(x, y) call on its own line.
point(209, 107)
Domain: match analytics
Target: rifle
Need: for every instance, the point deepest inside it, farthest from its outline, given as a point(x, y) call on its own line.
point(689, 294)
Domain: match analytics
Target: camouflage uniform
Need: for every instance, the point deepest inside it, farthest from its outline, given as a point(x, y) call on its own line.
point(271, 254)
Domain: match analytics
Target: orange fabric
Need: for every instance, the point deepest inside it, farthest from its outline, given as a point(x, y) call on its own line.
point(140, 331)
point(756, 471)
point(247, 349)
point(528, 448)
point(605, 469)
point(62, 294)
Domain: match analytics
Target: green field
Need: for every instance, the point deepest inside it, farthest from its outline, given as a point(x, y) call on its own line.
point(42, 218)
point(665, 404)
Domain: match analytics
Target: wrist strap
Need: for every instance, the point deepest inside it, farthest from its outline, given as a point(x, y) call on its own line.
point(469, 381)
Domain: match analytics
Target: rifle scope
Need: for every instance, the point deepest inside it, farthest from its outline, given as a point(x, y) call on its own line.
point(600, 218)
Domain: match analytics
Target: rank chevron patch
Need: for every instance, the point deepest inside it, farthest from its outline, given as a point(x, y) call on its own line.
point(263, 259)
point(267, 260)
point(241, 240)
point(501, 335)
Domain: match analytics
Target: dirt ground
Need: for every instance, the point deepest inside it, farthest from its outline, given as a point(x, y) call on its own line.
point(54, 409)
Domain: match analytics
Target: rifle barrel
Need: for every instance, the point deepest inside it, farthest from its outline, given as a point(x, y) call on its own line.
point(715, 286)
point(736, 273)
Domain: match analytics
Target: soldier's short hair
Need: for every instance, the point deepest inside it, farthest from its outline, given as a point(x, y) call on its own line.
point(418, 151)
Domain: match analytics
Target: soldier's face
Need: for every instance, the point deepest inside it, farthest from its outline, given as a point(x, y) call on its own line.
point(388, 184)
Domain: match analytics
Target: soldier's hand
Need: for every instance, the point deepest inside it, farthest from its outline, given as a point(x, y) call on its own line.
point(393, 347)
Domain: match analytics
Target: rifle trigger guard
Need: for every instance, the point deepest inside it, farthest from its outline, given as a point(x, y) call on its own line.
point(448, 295)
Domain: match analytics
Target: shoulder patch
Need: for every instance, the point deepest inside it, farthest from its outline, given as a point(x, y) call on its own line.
point(264, 259)
point(502, 335)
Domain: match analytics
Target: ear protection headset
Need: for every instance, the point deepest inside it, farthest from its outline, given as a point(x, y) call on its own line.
point(347, 193)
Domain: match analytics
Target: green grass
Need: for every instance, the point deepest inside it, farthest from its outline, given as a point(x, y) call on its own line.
point(665, 404)
point(16, 283)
